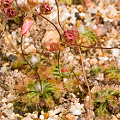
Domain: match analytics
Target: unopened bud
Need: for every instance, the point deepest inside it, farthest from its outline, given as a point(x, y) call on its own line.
point(26, 25)
point(32, 3)
point(45, 9)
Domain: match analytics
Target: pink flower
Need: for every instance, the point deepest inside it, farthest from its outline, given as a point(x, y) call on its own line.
point(10, 13)
point(6, 3)
point(26, 26)
point(45, 9)
point(70, 37)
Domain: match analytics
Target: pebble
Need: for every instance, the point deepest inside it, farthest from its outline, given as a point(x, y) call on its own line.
point(51, 113)
point(115, 52)
point(27, 118)
point(50, 37)
point(46, 115)
point(112, 13)
point(12, 116)
point(12, 57)
point(30, 49)
point(41, 117)
point(77, 112)
point(1, 73)
point(114, 117)
point(118, 115)
point(118, 23)
point(51, 118)
point(70, 116)
point(34, 59)
point(4, 100)
point(9, 105)
point(93, 61)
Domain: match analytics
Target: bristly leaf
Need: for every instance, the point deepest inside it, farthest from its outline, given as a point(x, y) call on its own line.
point(69, 2)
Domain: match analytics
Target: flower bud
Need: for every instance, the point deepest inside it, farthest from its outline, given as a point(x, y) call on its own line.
point(32, 3)
point(54, 47)
point(45, 9)
point(26, 25)
point(10, 13)
point(63, 70)
point(70, 37)
point(6, 3)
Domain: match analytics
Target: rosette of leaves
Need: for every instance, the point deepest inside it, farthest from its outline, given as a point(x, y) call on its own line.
point(87, 38)
point(112, 72)
point(34, 92)
point(105, 101)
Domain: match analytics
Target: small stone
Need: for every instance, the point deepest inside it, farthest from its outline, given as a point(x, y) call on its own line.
point(6, 40)
point(50, 37)
point(0, 73)
point(70, 116)
point(66, 26)
point(9, 105)
point(30, 49)
point(101, 62)
point(112, 13)
point(57, 111)
point(67, 21)
point(56, 116)
point(12, 58)
point(12, 116)
point(77, 16)
point(114, 117)
point(0, 105)
point(46, 115)
point(118, 23)
point(51, 118)
point(15, 110)
point(51, 113)
point(41, 117)
point(27, 118)
point(93, 61)
point(4, 100)
point(77, 112)
point(0, 65)
point(118, 115)
point(19, 116)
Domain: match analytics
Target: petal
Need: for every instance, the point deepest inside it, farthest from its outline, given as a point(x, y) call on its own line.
point(26, 26)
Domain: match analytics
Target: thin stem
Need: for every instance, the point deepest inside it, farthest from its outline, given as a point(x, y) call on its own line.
point(58, 15)
point(17, 4)
point(53, 25)
point(29, 63)
point(9, 40)
point(98, 47)
point(21, 54)
point(86, 82)
point(80, 83)
point(59, 61)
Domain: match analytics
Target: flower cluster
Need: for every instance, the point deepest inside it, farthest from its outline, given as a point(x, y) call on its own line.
point(7, 9)
point(70, 37)
point(45, 9)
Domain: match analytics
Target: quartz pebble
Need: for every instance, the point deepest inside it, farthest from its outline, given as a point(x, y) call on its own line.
point(112, 13)
point(70, 116)
point(9, 105)
point(93, 61)
point(30, 49)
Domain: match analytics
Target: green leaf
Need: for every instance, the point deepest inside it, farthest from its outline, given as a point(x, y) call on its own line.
point(17, 19)
point(68, 2)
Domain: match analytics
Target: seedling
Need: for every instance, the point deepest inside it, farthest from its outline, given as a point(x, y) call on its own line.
point(105, 100)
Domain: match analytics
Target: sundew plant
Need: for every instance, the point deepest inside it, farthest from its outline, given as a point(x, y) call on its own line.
point(36, 92)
